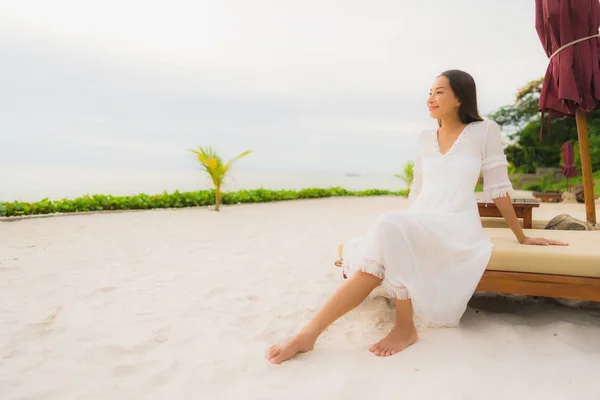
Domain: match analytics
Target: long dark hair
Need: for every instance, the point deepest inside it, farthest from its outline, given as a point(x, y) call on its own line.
point(463, 86)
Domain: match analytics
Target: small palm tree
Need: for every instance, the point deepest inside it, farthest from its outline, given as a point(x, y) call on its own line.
point(409, 174)
point(215, 168)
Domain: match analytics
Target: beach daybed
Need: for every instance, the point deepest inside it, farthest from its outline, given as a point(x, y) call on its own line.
point(571, 272)
point(488, 222)
point(565, 272)
point(548, 197)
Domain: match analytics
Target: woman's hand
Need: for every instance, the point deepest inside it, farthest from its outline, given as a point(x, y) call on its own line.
point(542, 242)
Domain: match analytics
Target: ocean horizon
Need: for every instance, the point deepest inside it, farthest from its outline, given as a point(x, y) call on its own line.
point(34, 183)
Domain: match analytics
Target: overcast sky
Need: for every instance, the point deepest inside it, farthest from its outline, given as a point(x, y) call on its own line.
point(308, 84)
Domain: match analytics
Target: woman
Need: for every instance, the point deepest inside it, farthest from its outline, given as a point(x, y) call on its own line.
point(431, 257)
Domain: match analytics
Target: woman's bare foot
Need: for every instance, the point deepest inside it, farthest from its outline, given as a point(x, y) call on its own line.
point(301, 343)
point(397, 340)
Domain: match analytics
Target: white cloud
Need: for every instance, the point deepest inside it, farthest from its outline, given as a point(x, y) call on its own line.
point(318, 76)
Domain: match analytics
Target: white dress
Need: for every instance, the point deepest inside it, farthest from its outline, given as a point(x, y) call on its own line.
point(436, 251)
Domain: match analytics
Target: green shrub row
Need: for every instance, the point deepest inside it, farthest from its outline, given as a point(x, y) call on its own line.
point(547, 184)
point(101, 202)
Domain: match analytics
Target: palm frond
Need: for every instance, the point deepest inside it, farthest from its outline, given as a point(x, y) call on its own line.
point(228, 165)
point(214, 167)
point(408, 175)
point(212, 163)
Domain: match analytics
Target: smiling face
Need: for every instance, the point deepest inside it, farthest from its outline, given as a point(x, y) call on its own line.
point(442, 101)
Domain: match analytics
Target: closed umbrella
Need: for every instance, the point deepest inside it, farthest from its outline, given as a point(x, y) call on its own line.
point(568, 30)
point(568, 162)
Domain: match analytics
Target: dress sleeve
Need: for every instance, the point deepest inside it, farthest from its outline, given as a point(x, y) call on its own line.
point(494, 167)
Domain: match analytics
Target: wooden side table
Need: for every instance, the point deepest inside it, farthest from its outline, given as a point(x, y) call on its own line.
point(523, 209)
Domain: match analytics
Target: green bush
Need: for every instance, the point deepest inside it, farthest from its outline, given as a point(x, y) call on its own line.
point(534, 187)
point(594, 149)
point(101, 202)
point(546, 184)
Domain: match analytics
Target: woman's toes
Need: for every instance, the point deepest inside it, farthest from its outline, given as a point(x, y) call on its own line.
point(273, 352)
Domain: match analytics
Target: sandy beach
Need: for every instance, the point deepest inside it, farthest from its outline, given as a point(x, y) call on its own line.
point(183, 304)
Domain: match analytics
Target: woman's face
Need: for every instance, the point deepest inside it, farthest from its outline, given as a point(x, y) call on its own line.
point(442, 101)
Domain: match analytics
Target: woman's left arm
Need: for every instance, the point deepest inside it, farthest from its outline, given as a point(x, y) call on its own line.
point(504, 205)
point(497, 185)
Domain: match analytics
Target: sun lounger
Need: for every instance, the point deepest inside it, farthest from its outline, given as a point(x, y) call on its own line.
point(571, 272)
point(548, 197)
point(489, 222)
point(566, 272)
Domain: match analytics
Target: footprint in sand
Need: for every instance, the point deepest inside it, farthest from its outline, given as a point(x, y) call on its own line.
point(106, 289)
point(100, 291)
point(45, 326)
point(122, 371)
point(160, 335)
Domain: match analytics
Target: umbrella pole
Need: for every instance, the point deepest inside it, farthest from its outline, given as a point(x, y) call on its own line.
point(586, 165)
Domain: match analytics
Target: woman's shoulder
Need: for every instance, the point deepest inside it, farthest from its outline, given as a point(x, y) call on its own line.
point(486, 129)
point(484, 124)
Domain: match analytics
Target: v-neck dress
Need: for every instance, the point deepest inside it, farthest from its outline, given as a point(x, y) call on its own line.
point(435, 252)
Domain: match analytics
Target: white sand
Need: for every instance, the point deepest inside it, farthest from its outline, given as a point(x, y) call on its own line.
point(183, 304)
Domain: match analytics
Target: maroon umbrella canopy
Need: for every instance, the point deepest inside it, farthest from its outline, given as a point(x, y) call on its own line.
point(568, 30)
point(568, 155)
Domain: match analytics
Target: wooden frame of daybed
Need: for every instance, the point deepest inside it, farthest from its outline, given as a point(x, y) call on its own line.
point(544, 285)
point(534, 284)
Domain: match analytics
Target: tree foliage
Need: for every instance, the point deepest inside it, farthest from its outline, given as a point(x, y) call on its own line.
point(523, 121)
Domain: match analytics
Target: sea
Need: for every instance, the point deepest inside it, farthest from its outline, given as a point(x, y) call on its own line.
point(34, 183)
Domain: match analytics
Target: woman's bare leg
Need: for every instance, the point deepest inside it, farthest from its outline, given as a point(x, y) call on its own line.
point(353, 292)
point(402, 335)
